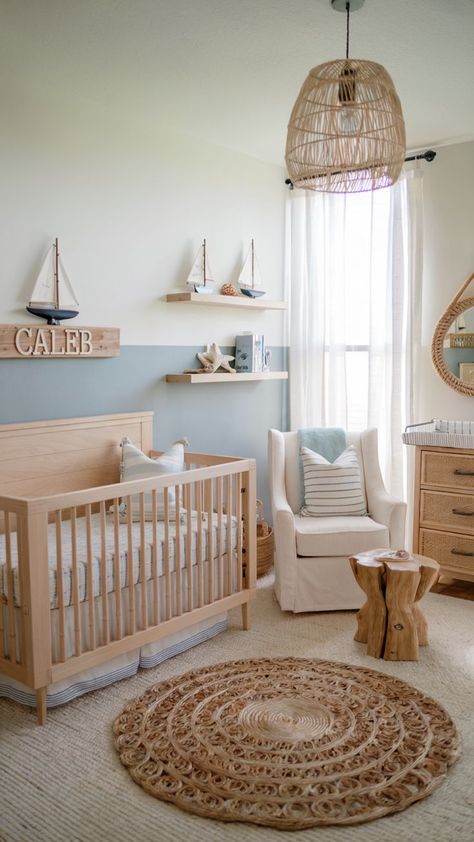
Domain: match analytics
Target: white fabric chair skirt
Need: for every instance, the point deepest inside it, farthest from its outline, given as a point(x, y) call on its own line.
point(323, 584)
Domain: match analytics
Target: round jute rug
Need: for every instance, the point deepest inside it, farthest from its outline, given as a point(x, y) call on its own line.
point(286, 742)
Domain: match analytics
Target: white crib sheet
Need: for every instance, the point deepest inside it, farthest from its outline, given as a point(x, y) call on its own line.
point(110, 553)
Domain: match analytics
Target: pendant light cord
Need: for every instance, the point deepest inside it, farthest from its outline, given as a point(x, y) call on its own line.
point(348, 10)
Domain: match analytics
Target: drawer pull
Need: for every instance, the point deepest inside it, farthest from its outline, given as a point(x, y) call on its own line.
point(462, 512)
point(460, 552)
point(462, 473)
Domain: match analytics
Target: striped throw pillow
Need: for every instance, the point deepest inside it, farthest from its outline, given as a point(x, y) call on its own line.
point(332, 488)
point(136, 465)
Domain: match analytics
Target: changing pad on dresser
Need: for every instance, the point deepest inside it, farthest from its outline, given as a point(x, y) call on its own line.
point(438, 433)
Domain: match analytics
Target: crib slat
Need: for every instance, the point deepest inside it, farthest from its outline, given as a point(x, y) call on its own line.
point(177, 550)
point(227, 577)
point(210, 542)
point(154, 558)
point(238, 515)
point(220, 560)
point(60, 586)
point(200, 566)
point(143, 583)
point(188, 545)
point(117, 581)
point(76, 599)
point(10, 592)
point(90, 579)
point(166, 553)
point(3, 597)
point(103, 575)
point(130, 585)
point(2, 627)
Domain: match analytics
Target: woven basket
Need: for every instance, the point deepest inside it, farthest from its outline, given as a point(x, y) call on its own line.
point(264, 542)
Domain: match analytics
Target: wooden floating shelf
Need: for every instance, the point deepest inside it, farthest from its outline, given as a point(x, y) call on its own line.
point(226, 300)
point(226, 378)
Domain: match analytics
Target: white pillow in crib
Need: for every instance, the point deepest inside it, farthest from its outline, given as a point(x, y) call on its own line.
point(136, 465)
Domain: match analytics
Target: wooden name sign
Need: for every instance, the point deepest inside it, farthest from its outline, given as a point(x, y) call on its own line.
point(53, 341)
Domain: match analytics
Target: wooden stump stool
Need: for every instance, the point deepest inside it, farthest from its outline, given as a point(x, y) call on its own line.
point(391, 621)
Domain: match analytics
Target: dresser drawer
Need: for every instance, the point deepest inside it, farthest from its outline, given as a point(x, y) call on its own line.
point(453, 512)
point(455, 552)
point(447, 470)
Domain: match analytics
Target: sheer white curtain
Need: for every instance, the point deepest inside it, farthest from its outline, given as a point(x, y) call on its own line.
point(353, 276)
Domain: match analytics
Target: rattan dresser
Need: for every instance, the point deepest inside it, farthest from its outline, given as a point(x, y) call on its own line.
point(443, 526)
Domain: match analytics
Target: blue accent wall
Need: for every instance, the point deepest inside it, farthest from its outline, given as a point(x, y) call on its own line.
point(230, 419)
point(454, 356)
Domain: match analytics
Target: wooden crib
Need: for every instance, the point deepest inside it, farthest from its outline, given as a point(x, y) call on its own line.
point(79, 583)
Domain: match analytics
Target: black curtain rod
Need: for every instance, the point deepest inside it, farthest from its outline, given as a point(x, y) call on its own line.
point(429, 156)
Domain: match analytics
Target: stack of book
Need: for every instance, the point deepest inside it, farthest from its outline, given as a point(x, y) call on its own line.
point(249, 352)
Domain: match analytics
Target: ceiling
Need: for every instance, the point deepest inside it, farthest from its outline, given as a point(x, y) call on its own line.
point(228, 71)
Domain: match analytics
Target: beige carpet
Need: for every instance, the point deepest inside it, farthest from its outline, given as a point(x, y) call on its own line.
point(65, 783)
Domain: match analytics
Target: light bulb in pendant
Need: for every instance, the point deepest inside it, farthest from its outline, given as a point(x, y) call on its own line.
point(349, 119)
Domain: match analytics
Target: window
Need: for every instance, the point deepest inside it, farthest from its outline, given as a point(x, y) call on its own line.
point(353, 267)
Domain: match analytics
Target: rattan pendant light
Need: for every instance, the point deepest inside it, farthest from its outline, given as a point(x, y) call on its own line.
point(346, 132)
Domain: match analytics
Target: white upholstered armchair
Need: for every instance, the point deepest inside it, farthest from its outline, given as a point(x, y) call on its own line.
point(312, 571)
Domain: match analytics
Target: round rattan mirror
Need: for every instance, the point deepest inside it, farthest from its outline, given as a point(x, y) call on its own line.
point(452, 348)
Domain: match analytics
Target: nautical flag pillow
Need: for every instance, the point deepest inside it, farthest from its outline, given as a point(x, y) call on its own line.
point(332, 488)
point(136, 465)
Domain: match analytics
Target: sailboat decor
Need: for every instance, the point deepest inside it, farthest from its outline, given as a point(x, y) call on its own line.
point(53, 297)
point(249, 278)
point(200, 276)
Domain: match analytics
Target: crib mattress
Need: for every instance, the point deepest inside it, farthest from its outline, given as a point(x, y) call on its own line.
point(66, 549)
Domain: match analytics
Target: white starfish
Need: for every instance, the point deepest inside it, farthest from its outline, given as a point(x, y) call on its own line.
point(213, 359)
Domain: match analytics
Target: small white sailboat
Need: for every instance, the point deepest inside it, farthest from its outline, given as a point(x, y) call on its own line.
point(250, 278)
point(53, 297)
point(200, 276)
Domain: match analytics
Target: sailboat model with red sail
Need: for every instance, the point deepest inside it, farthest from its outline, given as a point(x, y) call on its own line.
point(53, 297)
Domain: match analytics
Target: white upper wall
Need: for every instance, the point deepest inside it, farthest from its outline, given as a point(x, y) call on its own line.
point(448, 261)
point(130, 207)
